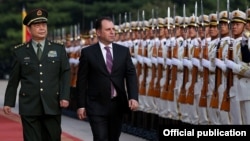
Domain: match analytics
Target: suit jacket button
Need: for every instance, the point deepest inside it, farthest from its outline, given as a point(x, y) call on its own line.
point(23, 94)
point(41, 89)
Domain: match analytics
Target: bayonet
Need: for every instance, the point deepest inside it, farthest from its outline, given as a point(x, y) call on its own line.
point(143, 24)
point(157, 22)
point(228, 18)
point(184, 16)
point(130, 28)
point(91, 28)
point(195, 18)
point(152, 19)
point(202, 16)
point(169, 20)
point(138, 20)
point(218, 16)
point(174, 20)
point(120, 20)
point(125, 21)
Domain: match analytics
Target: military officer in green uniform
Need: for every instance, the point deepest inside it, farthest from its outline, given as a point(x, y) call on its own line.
point(42, 69)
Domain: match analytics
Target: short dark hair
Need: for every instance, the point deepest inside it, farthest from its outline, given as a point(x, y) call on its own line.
point(98, 23)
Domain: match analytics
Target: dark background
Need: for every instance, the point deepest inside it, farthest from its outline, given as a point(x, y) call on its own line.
point(67, 13)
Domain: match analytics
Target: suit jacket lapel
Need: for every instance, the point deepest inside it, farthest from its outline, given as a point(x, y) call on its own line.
point(100, 58)
point(115, 56)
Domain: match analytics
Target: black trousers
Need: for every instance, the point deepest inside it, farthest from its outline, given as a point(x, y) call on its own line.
point(107, 127)
point(41, 128)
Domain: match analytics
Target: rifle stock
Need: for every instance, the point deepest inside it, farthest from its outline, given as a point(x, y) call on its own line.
point(204, 90)
point(225, 105)
point(170, 95)
point(164, 91)
point(190, 94)
point(182, 95)
point(218, 72)
point(159, 75)
point(143, 83)
point(151, 91)
point(139, 65)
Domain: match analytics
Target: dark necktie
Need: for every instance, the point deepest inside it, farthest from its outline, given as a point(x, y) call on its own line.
point(39, 50)
point(109, 64)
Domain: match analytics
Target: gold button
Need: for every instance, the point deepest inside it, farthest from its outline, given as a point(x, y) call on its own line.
point(41, 81)
point(41, 89)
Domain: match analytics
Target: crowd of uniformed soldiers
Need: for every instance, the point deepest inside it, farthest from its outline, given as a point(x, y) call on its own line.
point(191, 70)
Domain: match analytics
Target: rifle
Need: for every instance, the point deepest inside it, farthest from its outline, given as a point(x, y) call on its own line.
point(190, 94)
point(164, 91)
point(139, 53)
point(170, 95)
point(214, 103)
point(182, 95)
point(143, 83)
point(159, 74)
point(204, 90)
point(225, 104)
point(152, 81)
point(154, 56)
point(218, 72)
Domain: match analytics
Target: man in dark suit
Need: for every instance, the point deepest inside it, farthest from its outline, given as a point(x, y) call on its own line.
point(43, 70)
point(97, 100)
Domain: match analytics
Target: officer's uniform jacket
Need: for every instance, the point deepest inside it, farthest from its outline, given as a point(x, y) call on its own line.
point(43, 83)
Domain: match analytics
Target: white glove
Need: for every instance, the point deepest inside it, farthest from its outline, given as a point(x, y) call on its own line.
point(176, 61)
point(221, 64)
point(154, 60)
point(230, 64)
point(168, 61)
point(134, 61)
point(206, 63)
point(160, 60)
point(140, 59)
point(187, 63)
point(147, 61)
point(196, 62)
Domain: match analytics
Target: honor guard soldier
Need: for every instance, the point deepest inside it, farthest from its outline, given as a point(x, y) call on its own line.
point(204, 75)
point(239, 89)
point(209, 63)
point(225, 39)
point(193, 64)
point(245, 47)
point(176, 71)
point(164, 112)
point(182, 93)
point(145, 61)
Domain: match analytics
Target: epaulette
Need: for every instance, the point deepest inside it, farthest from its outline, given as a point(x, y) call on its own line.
point(54, 42)
point(20, 45)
